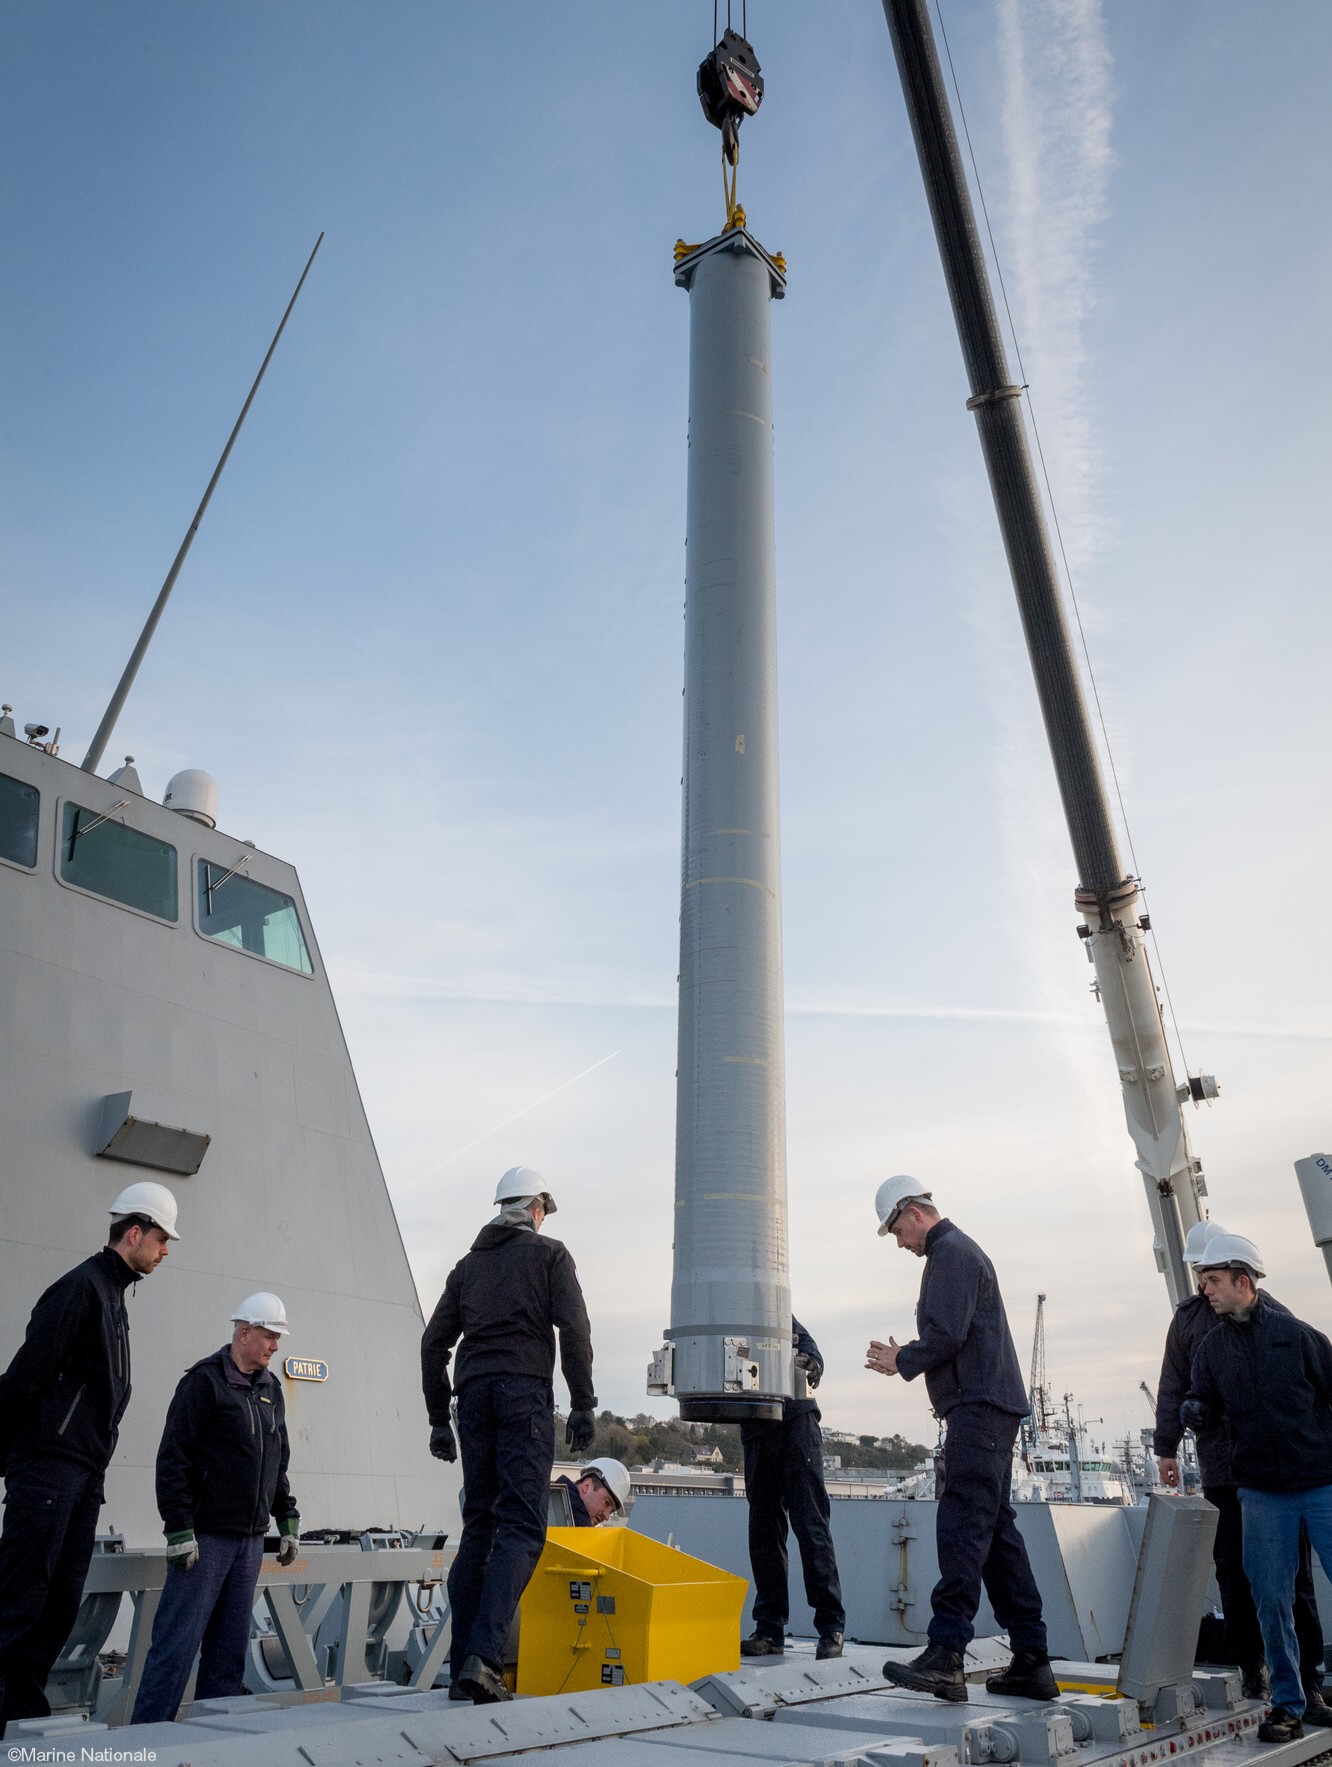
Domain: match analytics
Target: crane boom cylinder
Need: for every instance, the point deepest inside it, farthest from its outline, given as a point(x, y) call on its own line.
point(996, 404)
point(1106, 895)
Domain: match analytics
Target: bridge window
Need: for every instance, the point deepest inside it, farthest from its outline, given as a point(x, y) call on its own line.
point(104, 856)
point(19, 804)
point(237, 911)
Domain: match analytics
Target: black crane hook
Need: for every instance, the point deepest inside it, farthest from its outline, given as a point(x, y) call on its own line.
point(730, 88)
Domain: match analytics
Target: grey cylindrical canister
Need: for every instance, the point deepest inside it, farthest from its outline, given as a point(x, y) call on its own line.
point(731, 1297)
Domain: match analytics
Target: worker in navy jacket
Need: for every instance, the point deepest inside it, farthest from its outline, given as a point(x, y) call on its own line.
point(221, 1472)
point(1191, 1322)
point(964, 1349)
point(1268, 1376)
point(61, 1402)
point(784, 1485)
point(601, 1492)
point(505, 1299)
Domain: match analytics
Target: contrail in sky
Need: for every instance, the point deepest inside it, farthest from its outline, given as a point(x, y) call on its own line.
point(486, 1134)
point(613, 999)
point(1057, 126)
point(1050, 195)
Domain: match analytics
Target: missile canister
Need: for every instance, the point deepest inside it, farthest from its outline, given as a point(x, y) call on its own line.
point(729, 1355)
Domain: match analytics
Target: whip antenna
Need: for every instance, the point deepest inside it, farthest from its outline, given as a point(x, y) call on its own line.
point(97, 747)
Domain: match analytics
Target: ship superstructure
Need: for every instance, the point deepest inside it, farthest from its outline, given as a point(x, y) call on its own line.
point(165, 1012)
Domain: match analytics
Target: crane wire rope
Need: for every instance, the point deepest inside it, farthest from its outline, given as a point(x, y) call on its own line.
point(735, 215)
point(1059, 535)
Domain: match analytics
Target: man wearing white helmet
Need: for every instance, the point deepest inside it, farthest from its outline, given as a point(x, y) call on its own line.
point(221, 1472)
point(599, 1494)
point(61, 1401)
point(1268, 1376)
point(1192, 1321)
point(964, 1349)
point(506, 1300)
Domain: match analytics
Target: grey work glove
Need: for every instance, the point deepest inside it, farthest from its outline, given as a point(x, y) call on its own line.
point(813, 1369)
point(288, 1547)
point(579, 1431)
point(182, 1550)
point(442, 1444)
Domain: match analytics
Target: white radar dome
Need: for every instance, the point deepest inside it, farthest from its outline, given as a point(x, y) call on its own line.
point(193, 793)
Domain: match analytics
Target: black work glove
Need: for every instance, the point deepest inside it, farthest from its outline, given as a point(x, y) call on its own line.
point(442, 1444)
point(579, 1431)
point(1194, 1415)
point(812, 1367)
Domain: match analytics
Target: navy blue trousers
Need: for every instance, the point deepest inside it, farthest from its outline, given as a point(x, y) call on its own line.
point(784, 1485)
point(506, 1434)
point(204, 1612)
point(976, 1535)
point(51, 1509)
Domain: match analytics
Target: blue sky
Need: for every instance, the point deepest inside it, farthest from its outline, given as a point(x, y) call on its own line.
point(429, 639)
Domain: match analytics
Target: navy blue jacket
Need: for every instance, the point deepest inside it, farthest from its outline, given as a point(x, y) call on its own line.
point(222, 1464)
point(1270, 1378)
point(581, 1519)
point(506, 1300)
point(963, 1345)
point(66, 1390)
point(1193, 1321)
point(804, 1346)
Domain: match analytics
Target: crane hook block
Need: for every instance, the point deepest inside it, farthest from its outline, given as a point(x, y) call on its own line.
point(730, 88)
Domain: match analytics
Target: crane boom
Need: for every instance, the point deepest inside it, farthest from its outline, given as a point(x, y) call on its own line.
point(1112, 921)
point(1038, 1385)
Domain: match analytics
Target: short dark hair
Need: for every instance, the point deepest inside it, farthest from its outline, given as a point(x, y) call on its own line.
point(1231, 1269)
point(122, 1224)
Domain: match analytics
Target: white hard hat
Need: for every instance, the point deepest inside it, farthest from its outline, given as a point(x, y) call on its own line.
point(614, 1475)
point(1229, 1249)
point(520, 1182)
point(1199, 1237)
point(262, 1309)
point(891, 1196)
point(153, 1200)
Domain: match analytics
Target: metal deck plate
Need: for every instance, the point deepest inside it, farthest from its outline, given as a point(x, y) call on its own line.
point(486, 1732)
point(729, 1742)
point(275, 1719)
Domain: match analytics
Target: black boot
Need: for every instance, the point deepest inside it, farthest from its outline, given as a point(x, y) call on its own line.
point(1316, 1709)
point(937, 1670)
point(1280, 1725)
point(482, 1682)
point(829, 1645)
point(1253, 1680)
point(1028, 1677)
point(758, 1644)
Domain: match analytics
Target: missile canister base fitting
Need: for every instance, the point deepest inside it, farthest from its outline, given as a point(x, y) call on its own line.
point(730, 1410)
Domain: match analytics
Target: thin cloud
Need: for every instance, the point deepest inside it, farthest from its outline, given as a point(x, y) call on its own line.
point(371, 984)
point(495, 1128)
point(1057, 115)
